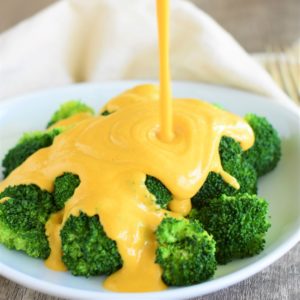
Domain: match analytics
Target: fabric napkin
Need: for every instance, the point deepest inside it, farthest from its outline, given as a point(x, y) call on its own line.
point(96, 40)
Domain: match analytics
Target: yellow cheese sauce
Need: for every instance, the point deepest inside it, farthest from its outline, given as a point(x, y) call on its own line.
point(71, 120)
point(112, 156)
point(166, 107)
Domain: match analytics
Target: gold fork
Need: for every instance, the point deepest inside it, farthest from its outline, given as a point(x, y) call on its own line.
point(284, 67)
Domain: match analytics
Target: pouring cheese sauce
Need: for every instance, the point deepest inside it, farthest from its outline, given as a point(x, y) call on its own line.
point(147, 133)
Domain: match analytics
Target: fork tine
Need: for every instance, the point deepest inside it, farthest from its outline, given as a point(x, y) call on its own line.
point(286, 76)
point(294, 70)
point(284, 67)
point(274, 71)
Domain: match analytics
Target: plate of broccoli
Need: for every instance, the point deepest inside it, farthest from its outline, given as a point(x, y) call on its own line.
point(228, 236)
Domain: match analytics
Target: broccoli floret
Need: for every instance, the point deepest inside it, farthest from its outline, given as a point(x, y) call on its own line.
point(69, 109)
point(162, 195)
point(87, 251)
point(66, 184)
point(23, 216)
point(27, 145)
point(237, 223)
point(105, 113)
point(186, 252)
point(266, 151)
point(64, 187)
point(232, 162)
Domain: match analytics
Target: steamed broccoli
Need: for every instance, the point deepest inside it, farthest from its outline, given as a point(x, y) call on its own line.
point(237, 223)
point(162, 195)
point(244, 166)
point(224, 224)
point(87, 251)
point(105, 113)
point(266, 151)
point(64, 187)
point(186, 252)
point(69, 109)
point(233, 162)
point(27, 145)
point(23, 216)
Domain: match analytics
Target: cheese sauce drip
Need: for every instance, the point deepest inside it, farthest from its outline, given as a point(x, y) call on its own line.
point(112, 156)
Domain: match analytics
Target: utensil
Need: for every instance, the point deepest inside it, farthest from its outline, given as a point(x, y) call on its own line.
point(284, 67)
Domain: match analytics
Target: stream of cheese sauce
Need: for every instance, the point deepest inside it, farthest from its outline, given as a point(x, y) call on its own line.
point(166, 108)
point(112, 155)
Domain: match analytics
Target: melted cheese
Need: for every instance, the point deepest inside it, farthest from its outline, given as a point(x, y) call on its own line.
point(166, 109)
point(71, 120)
point(112, 156)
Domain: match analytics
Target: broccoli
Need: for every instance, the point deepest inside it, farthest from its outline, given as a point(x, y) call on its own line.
point(162, 195)
point(27, 145)
point(64, 187)
point(87, 251)
point(232, 161)
point(105, 113)
point(69, 109)
point(23, 216)
point(186, 252)
point(266, 151)
point(238, 224)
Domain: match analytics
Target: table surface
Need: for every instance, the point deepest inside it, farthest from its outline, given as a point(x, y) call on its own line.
point(255, 24)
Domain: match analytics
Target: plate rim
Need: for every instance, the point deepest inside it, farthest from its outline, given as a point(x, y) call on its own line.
point(177, 293)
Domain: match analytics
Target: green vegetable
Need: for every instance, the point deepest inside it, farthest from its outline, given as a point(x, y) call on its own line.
point(27, 145)
point(105, 113)
point(266, 151)
point(233, 162)
point(64, 187)
point(186, 252)
point(23, 217)
point(225, 223)
point(162, 195)
point(237, 223)
point(87, 251)
point(69, 109)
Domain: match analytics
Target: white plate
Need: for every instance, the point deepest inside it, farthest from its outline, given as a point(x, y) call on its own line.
point(280, 187)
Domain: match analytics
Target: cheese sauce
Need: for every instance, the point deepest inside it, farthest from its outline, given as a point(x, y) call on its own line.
point(166, 109)
point(112, 155)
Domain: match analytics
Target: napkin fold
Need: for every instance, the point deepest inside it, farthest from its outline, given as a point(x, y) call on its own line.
point(96, 40)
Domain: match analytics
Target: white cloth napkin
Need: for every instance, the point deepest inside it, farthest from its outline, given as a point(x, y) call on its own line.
point(96, 40)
